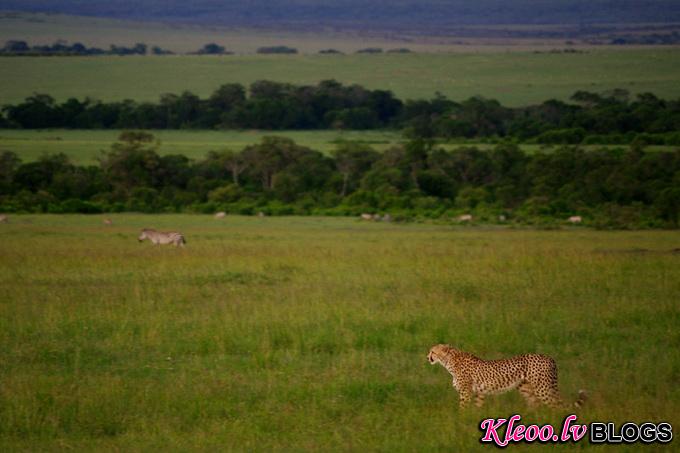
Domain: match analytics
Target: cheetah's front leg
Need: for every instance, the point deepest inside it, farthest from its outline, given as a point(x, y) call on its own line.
point(465, 394)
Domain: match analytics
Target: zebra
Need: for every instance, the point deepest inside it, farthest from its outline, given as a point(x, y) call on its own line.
point(159, 237)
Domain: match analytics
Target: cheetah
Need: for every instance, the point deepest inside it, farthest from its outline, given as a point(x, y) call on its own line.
point(534, 375)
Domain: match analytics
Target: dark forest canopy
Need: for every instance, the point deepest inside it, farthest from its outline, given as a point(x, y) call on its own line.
point(609, 189)
point(423, 15)
point(613, 117)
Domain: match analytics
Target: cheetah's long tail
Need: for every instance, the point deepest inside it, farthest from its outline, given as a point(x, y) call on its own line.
point(582, 397)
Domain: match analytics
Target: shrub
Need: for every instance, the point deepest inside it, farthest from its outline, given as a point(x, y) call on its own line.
point(277, 49)
point(562, 136)
point(74, 206)
point(370, 50)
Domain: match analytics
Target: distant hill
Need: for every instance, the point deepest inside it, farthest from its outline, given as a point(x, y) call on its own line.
point(422, 15)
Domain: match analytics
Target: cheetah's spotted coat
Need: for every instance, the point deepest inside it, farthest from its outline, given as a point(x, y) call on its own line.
point(534, 375)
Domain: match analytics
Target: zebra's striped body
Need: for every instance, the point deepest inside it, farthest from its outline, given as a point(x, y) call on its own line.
point(159, 237)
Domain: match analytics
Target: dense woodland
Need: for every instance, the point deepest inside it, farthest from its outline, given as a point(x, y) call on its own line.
point(625, 188)
point(614, 117)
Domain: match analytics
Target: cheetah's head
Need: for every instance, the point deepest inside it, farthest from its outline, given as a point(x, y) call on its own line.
point(436, 352)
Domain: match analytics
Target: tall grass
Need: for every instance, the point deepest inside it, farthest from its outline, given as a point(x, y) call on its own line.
point(311, 334)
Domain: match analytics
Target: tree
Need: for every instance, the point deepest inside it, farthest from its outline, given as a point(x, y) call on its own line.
point(227, 96)
point(36, 112)
point(277, 49)
point(14, 46)
point(133, 161)
point(586, 98)
point(234, 162)
point(212, 49)
point(269, 157)
point(9, 162)
point(668, 204)
point(156, 50)
point(353, 159)
point(384, 105)
point(266, 89)
point(39, 175)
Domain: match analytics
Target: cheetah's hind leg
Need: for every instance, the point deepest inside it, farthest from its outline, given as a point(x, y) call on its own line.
point(479, 399)
point(551, 398)
point(527, 391)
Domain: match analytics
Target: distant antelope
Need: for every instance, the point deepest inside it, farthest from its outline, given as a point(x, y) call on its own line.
point(158, 237)
point(3, 218)
point(465, 218)
point(261, 214)
point(575, 219)
point(108, 222)
point(220, 215)
point(366, 216)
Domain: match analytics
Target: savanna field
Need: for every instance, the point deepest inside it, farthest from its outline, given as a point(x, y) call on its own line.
point(515, 78)
point(304, 333)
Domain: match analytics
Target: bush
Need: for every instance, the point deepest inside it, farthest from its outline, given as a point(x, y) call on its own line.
point(213, 49)
point(143, 199)
point(277, 49)
point(278, 208)
point(370, 50)
point(645, 139)
point(612, 216)
point(226, 194)
point(672, 139)
point(74, 206)
point(562, 136)
point(608, 139)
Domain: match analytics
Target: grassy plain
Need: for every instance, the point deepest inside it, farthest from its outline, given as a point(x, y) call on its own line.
point(514, 78)
point(311, 333)
point(85, 146)
point(179, 38)
point(39, 28)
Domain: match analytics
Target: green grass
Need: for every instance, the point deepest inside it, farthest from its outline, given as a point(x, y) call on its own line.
point(517, 78)
point(297, 334)
point(85, 146)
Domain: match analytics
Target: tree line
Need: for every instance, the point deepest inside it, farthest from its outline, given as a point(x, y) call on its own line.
point(625, 188)
point(18, 48)
point(614, 117)
point(62, 48)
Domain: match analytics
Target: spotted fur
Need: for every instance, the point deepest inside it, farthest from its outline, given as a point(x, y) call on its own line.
point(534, 375)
